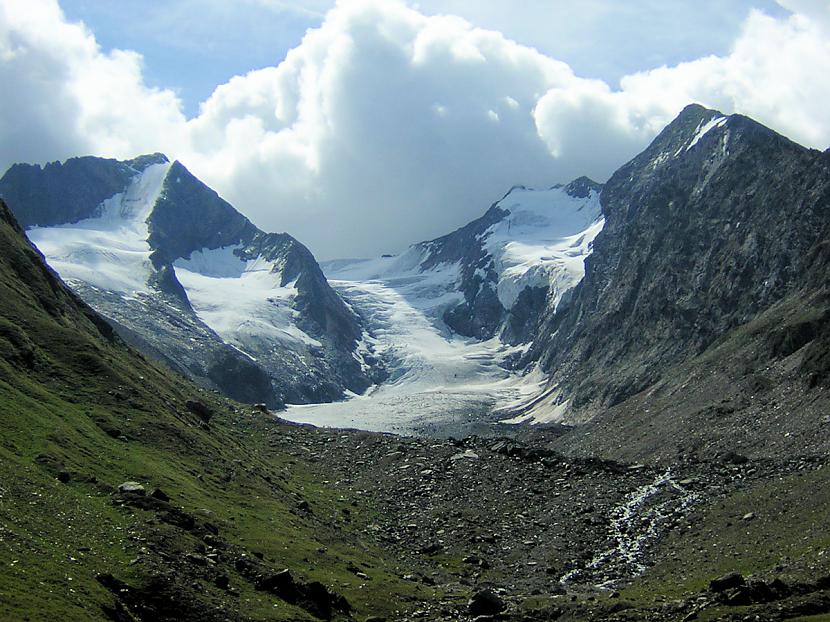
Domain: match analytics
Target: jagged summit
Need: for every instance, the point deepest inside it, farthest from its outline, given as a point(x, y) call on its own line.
point(579, 188)
point(582, 187)
point(694, 126)
point(693, 114)
point(190, 216)
point(703, 135)
point(68, 192)
point(143, 161)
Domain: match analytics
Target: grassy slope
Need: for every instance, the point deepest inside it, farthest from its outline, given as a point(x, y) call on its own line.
point(64, 390)
point(65, 387)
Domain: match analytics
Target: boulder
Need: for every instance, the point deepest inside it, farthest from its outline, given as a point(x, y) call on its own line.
point(132, 488)
point(281, 584)
point(200, 409)
point(159, 494)
point(177, 518)
point(485, 603)
point(314, 597)
point(431, 548)
point(466, 455)
point(726, 582)
point(246, 566)
point(730, 457)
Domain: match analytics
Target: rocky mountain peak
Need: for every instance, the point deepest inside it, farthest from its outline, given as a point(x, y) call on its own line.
point(190, 280)
point(67, 192)
point(707, 227)
point(582, 187)
point(141, 163)
point(190, 216)
point(690, 119)
point(695, 131)
point(702, 137)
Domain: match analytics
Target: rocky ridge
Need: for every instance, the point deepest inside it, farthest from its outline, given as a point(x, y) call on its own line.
point(503, 294)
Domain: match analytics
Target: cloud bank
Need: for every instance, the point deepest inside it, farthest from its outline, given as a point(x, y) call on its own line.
point(385, 126)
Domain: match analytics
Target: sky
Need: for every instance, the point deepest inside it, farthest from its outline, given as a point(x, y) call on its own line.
point(362, 126)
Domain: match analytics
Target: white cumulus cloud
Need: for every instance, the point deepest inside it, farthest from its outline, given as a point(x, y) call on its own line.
point(64, 96)
point(386, 126)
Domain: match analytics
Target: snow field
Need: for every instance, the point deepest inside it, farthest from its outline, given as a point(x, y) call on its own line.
point(111, 251)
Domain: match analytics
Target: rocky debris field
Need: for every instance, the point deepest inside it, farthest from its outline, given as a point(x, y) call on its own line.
point(324, 524)
point(528, 534)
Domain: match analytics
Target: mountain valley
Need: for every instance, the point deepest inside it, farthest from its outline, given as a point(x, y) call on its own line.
point(595, 402)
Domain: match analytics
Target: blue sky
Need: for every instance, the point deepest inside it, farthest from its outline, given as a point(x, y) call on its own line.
point(192, 46)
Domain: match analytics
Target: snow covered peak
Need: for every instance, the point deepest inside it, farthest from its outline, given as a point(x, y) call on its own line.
point(192, 280)
point(553, 213)
point(530, 245)
point(543, 241)
point(582, 187)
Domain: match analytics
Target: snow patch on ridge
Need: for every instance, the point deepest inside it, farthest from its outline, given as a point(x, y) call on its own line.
point(704, 128)
point(242, 301)
point(543, 241)
point(110, 251)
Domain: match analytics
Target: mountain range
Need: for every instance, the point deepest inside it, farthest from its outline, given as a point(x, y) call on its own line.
point(649, 359)
point(603, 289)
point(187, 279)
point(704, 307)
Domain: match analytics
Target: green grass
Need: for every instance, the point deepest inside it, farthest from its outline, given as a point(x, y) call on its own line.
point(45, 522)
point(65, 388)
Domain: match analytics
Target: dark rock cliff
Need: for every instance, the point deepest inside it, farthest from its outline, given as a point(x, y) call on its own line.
point(703, 231)
point(481, 314)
